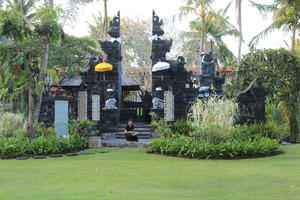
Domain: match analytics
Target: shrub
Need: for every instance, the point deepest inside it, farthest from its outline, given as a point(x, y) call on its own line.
point(162, 127)
point(14, 147)
point(189, 147)
point(274, 113)
point(81, 127)
point(211, 133)
point(183, 127)
point(269, 130)
point(12, 125)
point(214, 110)
point(43, 129)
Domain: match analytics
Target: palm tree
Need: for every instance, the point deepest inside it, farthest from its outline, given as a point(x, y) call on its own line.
point(216, 25)
point(200, 8)
point(286, 17)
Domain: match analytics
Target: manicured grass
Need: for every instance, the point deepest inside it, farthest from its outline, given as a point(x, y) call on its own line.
point(134, 175)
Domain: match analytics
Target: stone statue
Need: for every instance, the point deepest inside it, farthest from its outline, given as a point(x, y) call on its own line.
point(158, 103)
point(208, 70)
point(110, 104)
point(156, 27)
point(114, 24)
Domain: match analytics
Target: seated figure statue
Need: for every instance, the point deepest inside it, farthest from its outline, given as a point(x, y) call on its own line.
point(110, 104)
point(158, 103)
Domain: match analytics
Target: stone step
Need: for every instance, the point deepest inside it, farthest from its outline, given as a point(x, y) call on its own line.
point(136, 126)
point(145, 135)
point(138, 129)
point(123, 143)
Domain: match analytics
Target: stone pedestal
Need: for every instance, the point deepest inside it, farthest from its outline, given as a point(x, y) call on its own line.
point(95, 142)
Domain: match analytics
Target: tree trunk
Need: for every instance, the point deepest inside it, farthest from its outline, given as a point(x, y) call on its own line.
point(42, 75)
point(35, 93)
point(105, 17)
point(31, 107)
point(202, 41)
point(239, 22)
point(293, 122)
point(22, 6)
point(293, 38)
point(51, 2)
point(203, 34)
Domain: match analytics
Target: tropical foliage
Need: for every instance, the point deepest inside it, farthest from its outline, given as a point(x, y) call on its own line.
point(15, 147)
point(26, 51)
point(277, 70)
point(184, 146)
point(216, 25)
point(286, 17)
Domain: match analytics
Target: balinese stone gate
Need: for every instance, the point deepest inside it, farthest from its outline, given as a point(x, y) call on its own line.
point(104, 88)
point(169, 77)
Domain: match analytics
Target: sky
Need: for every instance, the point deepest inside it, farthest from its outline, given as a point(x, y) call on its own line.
point(253, 22)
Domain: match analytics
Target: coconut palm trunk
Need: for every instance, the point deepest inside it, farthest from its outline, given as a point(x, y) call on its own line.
point(105, 16)
point(239, 22)
point(293, 37)
point(202, 45)
point(51, 3)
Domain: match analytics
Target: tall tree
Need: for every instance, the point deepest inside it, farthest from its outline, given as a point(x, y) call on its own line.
point(27, 51)
point(286, 17)
point(200, 8)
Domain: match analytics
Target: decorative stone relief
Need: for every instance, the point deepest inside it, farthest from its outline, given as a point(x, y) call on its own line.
point(82, 105)
point(168, 105)
point(96, 107)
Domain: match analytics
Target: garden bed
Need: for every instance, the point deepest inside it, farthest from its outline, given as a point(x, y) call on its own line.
point(231, 147)
point(18, 147)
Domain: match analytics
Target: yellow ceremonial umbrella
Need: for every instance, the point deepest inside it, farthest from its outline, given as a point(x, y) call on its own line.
point(103, 67)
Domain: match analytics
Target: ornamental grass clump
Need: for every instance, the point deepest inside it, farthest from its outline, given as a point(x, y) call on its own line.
point(214, 110)
point(12, 125)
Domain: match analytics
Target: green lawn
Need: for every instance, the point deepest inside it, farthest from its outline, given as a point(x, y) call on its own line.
point(134, 175)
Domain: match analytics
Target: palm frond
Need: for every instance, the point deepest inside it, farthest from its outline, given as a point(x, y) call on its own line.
point(264, 9)
point(254, 41)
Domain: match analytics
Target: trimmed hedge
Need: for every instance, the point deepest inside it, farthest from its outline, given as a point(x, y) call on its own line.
point(15, 147)
point(184, 146)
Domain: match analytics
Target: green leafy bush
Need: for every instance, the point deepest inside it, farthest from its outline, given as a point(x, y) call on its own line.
point(183, 127)
point(211, 133)
point(268, 130)
point(45, 130)
point(81, 127)
point(12, 125)
point(14, 147)
point(162, 127)
point(189, 147)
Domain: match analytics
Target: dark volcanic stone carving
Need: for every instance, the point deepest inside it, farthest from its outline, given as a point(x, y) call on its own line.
point(114, 31)
point(157, 23)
